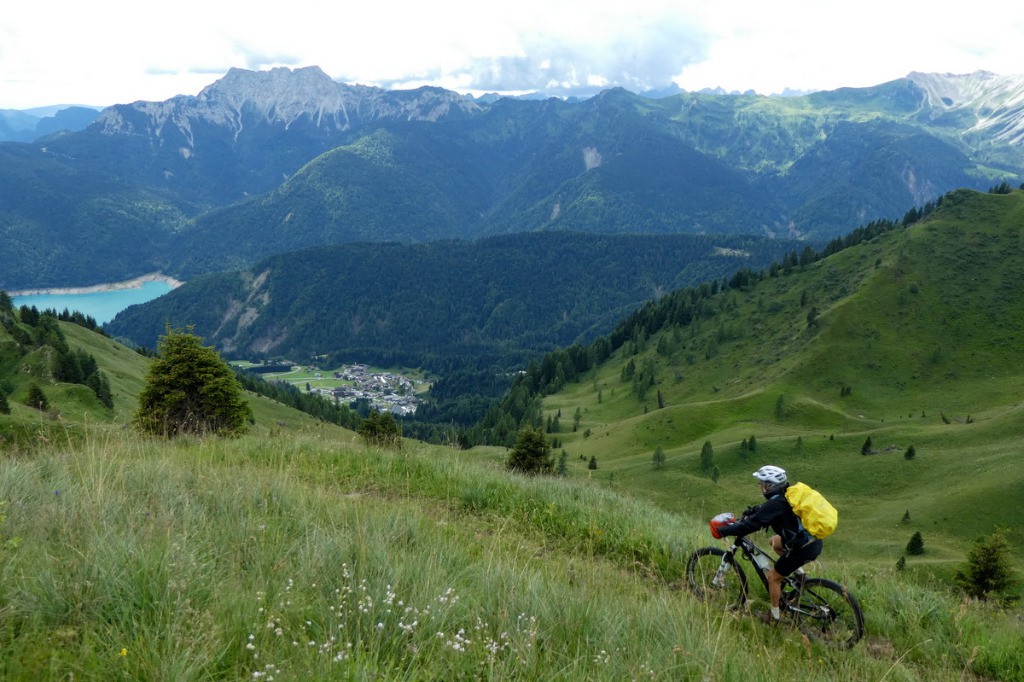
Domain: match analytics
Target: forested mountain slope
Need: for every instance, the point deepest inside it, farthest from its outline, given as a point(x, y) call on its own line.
point(260, 163)
point(500, 300)
point(887, 372)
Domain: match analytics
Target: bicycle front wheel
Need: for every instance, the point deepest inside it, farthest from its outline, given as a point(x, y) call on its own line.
point(716, 578)
point(828, 613)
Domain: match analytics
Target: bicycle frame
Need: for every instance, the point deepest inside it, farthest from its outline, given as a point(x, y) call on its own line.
point(759, 558)
point(822, 609)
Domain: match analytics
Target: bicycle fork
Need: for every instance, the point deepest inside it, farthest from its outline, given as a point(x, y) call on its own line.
point(723, 568)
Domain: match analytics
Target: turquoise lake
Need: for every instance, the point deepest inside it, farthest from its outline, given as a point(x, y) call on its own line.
point(101, 305)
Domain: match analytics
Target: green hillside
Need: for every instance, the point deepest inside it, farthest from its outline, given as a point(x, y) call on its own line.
point(915, 341)
point(295, 552)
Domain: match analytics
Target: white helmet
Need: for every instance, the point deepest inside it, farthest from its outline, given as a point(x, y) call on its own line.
point(774, 476)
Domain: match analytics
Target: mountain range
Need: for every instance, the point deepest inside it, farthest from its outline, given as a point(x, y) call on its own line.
point(17, 125)
point(262, 163)
point(496, 301)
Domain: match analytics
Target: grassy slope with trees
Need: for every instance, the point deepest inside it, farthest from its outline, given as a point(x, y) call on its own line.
point(117, 550)
point(914, 343)
point(471, 312)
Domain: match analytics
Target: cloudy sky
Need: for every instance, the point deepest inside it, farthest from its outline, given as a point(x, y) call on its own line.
point(110, 51)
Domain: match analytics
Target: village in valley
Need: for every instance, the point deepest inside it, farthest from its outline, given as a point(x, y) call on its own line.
point(384, 391)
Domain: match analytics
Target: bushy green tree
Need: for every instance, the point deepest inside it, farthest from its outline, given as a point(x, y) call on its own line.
point(381, 430)
point(780, 407)
point(916, 544)
point(707, 457)
point(531, 454)
point(987, 570)
point(563, 464)
point(865, 449)
point(191, 390)
point(97, 381)
point(659, 458)
point(37, 399)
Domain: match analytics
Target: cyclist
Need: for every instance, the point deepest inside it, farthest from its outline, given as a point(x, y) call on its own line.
point(794, 545)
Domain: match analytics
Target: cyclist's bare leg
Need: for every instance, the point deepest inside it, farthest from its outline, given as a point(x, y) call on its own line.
point(774, 586)
point(774, 578)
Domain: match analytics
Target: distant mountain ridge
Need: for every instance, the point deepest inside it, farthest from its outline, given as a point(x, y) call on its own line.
point(261, 162)
point(494, 301)
point(24, 126)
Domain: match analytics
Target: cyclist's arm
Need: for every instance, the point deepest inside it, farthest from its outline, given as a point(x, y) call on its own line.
point(762, 517)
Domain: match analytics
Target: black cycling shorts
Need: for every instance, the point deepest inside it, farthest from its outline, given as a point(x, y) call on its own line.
point(793, 559)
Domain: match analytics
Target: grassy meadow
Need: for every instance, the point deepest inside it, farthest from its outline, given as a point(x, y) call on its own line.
point(927, 360)
point(295, 552)
point(307, 556)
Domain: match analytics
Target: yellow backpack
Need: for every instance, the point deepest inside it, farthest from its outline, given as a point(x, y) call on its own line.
point(815, 513)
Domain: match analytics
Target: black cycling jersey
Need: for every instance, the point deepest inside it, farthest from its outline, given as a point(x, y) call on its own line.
point(776, 513)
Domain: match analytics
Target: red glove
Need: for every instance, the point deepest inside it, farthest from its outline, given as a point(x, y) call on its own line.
point(721, 520)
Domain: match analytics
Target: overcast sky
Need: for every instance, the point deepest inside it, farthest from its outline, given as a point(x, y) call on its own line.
point(111, 51)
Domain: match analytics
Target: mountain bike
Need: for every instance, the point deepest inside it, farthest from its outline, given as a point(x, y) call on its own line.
point(821, 609)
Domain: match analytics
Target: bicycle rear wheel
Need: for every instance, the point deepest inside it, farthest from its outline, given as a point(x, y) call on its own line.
point(721, 585)
point(828, 613)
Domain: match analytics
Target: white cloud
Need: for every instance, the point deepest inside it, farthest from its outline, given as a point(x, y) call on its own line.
point(119, 50)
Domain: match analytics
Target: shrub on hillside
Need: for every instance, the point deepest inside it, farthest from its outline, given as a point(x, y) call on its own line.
point(37, 399)
point(381, 430)
point(532, 454)
point(987, 570)
point(191, 390)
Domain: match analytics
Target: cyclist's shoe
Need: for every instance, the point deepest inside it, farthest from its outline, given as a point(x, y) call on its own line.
point(766, 617)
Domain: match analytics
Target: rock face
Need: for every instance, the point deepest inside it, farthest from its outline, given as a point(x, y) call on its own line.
point(281, 97)
point(995, 102)
point(247, 132)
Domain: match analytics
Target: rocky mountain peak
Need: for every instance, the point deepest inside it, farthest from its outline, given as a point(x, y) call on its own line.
point(279, 94)
point(997, 101)
point(280, 97)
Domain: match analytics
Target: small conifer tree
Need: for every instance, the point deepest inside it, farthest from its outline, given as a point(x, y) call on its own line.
point(5, 407)
point(592, 465)
point(381, 430)
point(987, 570)
point(191, 390)
point(659, 458)
point(910, 453)
point(707, 457)
point(780, 408)
point(532, 454)
point(916, 545)
point(37, 399)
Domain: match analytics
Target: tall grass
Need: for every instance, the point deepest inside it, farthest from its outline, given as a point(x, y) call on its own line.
point(306, 558)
